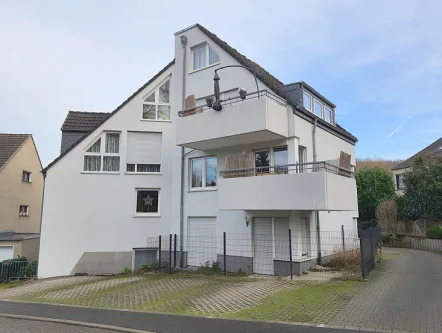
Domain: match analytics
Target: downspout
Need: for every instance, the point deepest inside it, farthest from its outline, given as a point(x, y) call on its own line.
point(318, 228)
point(184, 44)
point(41, 221)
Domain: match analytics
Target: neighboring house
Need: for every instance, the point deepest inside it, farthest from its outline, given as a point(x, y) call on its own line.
point(21, 190)
point(433, 151)
point(119, 180)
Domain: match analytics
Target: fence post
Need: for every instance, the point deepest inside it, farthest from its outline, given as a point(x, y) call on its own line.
point(170, 253)
point(290, 254)
point(361, 250)
point(174, 251)
point(343, 237)
point(159, 253)
point(225, 253)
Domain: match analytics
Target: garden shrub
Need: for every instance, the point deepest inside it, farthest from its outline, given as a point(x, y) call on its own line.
point(434, 232)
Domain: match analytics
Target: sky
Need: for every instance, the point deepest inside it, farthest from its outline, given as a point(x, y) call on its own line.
point(379, 61)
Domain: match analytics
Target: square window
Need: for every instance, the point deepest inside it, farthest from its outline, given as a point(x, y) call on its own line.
point(318, 109)
point(92, 163)
point(111, 163)
point(23, 210)
point(164, 112)
point(149, 111)
point(307, 101)
point(147, 202)
point(26, 177)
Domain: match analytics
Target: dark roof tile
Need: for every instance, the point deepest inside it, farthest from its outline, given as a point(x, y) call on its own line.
point(9, 144)
point(432, 151)
point(82, 121)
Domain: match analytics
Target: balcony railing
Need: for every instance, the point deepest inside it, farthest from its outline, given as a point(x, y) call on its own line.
point(325, 166)
point(234, 100)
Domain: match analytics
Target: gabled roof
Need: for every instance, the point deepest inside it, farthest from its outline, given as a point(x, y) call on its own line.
point(432, 151)
point(83, 121)
point(109, 115)
point(274, 84)
point(9, 145)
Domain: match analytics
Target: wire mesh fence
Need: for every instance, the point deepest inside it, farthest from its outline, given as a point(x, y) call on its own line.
point(17, 269)
point(284, 252)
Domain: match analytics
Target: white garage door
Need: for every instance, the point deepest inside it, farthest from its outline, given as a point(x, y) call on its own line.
point(6, 252)
point(201, 240)
point(262, 245)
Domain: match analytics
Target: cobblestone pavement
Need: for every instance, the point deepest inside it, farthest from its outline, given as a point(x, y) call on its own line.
point(406, 295)
point(26, 326)
point(214, 296)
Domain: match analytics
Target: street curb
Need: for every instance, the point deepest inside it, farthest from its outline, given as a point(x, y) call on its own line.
point(74, 323)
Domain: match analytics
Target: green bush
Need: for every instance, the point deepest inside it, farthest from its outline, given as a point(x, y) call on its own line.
point(434, 232)
point(19, 267)
point(126, 271)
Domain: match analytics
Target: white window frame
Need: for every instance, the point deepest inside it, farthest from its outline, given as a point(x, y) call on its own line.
point(26, 214)
point(315, 100)
point(137, 214)
point(311, 101)
point(102, 152)
point(157, 102)
point(271, 151)
point(207, 57)
point(203, 187)
point(139, 172)
point(29, 178)
point(331, 114)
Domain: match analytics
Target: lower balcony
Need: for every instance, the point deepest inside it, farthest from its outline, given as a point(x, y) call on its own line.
point(309, 186)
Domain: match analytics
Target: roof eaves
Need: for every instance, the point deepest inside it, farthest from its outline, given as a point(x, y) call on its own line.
point(313, 90)
point(112, 113)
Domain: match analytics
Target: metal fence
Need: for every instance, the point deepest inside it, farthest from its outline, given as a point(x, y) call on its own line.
point(284, 252)
point(17, 269)
point(370, 239)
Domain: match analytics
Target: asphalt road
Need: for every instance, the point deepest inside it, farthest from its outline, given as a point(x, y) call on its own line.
point(159, 323)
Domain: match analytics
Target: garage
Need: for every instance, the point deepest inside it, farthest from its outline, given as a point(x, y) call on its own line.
point(262, 230)
point(6, 252)
point(201, 240)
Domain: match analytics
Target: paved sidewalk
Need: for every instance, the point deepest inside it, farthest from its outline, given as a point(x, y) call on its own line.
point(405, 296)
point(8, 325)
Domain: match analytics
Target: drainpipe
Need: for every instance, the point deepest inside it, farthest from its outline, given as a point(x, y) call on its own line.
point(41, 221)
point(184, 44)
point(318, 227)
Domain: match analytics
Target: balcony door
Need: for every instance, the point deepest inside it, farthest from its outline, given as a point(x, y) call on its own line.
point(275, 156)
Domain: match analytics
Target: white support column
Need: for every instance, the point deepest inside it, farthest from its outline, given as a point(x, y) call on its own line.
point(292, 152)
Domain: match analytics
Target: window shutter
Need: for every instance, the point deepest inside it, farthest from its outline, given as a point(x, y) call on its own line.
point(143, 148)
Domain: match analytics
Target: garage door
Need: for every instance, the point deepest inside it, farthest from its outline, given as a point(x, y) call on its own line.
point(262, 245)
point(6, 252)
point(201, 240)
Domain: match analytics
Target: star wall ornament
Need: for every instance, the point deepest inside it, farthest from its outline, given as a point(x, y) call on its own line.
point(148, 201)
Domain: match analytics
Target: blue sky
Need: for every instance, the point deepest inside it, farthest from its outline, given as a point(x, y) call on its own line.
point(380, 62)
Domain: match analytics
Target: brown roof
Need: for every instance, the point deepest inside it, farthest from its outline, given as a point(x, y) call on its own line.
point(272, 82)
point(109, 115)
point(432, 151)
point(9, 144)
point(83, 121)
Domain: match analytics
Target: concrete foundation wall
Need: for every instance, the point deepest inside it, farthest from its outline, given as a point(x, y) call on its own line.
point(236, 263)
point(95, 263)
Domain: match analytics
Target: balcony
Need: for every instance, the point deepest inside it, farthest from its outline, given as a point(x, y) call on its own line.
point(260, 117)
point(310, 186)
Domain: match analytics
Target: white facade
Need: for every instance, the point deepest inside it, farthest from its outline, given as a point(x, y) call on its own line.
point(87, 212)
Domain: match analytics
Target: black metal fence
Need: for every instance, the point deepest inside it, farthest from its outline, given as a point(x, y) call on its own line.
point(284, 252)
point(370, 239)
point(17, 269)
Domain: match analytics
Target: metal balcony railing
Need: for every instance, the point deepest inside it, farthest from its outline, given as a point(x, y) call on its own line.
point(234, 100)
point(288, 169)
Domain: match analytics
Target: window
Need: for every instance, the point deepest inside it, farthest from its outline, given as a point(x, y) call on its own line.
point(318, 109)
point(147, 202)
point(280, 157)
point(307, 101)
point(328, 114)
point(26, 177)
point(203, 172)
point(203, 56)
point(302, 158)
point(143, 152)
point(262, 160)
point(23, 210)
point(156, 104)
point(103, 154)
point(400, 182)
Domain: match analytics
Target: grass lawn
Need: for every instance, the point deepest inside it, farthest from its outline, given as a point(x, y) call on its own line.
point(10, 285)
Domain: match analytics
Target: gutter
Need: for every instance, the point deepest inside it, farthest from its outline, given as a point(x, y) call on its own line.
point(41, 220)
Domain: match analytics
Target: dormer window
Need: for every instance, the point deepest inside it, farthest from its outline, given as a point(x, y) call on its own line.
point(317, 107)
point(204, 56)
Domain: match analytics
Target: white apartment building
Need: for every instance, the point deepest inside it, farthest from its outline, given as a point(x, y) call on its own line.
point(164, 162)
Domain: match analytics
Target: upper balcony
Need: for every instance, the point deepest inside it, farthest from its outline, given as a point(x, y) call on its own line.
point(261, 116)
point(310, 186)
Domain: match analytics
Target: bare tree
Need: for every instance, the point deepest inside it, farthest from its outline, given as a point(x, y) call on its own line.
point(386, 214)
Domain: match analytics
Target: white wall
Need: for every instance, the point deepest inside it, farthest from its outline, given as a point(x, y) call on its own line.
point(94, 212)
